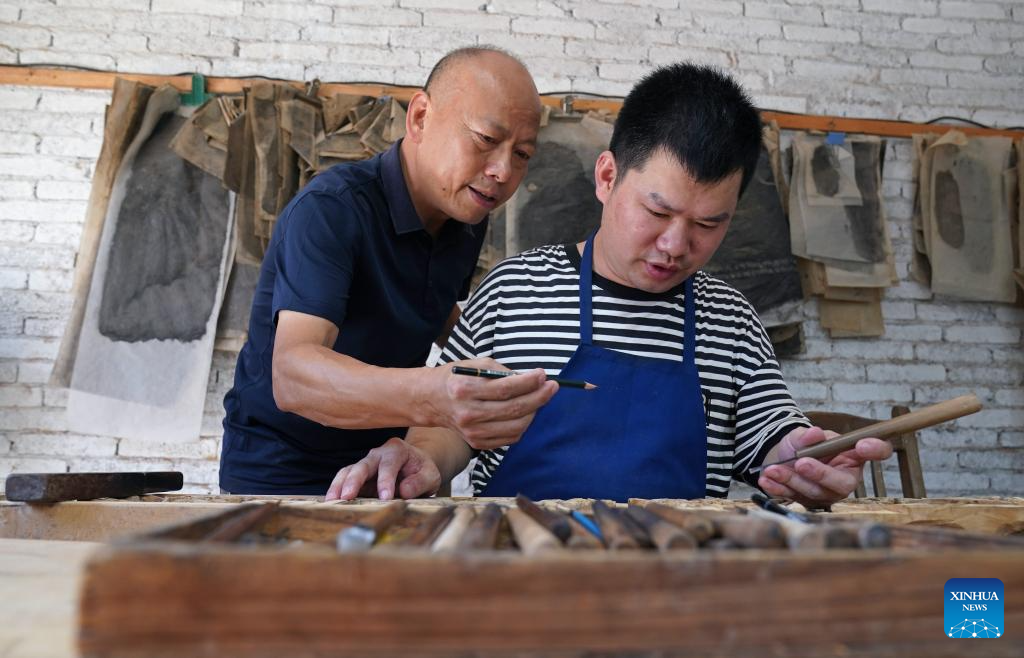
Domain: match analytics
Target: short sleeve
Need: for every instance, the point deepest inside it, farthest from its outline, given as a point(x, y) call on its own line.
point(316, 256)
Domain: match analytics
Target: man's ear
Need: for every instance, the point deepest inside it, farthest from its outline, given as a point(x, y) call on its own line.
point(416, 116)
point(605, 174)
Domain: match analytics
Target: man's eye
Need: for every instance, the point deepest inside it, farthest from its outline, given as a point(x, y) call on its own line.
point(486, 138)
point(659, 215)
point(523, 155)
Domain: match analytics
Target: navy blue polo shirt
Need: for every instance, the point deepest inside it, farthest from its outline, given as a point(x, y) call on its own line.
point(349, 248)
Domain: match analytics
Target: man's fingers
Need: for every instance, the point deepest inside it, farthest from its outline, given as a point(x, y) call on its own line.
point(774, 488)
point(419, 480)
point(488, 436)
point(873, 449)
point(387, 473)
point(334, 491)
point(836, 482)
point(346, 486)
point(490, 424)
point(800, 486)
point(354, 480)
point(810, 437)
point(519, 409)
point(379, 471)
point(358, 474)
point(506, 388)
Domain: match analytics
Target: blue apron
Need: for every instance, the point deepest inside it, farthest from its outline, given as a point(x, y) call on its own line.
point(641, 434)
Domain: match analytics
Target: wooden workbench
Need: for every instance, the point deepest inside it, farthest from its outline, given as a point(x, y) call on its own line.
point(418, 605)
point(43, 549)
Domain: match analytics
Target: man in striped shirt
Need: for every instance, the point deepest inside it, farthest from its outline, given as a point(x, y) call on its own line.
point(689, 394)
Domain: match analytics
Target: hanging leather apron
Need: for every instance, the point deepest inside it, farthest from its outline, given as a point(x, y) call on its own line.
point(640, 434)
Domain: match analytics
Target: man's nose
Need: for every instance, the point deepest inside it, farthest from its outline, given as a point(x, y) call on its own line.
point(672, 240)
point(499, 165)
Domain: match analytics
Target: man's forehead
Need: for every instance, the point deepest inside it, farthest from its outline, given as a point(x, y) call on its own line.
point(498, 78)
point(667, 184)
point(524, 124)
point(663, 166)
point(491, 71)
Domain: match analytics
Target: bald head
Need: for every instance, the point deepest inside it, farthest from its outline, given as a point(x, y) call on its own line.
point(481, 67)
point(469, 134)
point(467, 57)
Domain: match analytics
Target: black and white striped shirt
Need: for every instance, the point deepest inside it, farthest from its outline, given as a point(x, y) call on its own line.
point(526, 314)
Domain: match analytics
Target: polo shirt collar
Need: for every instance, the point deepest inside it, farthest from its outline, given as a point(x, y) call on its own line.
point(403, 212)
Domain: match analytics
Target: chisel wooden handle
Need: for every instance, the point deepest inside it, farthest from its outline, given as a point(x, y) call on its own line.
point(56, 487)
point(698, 525)
point(452, 533)
point(429, 528)
point(870, 534)
point(531, 536)
point(915, 420)
point(250, 517)
point(749, 531)
point(581, 538)
point(802, 536)
point(482, 532)
point(617, 535)
point(556, 523)
point(665, 535)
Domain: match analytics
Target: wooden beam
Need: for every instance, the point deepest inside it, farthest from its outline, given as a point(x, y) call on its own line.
point(44, 77)
point(882, 127)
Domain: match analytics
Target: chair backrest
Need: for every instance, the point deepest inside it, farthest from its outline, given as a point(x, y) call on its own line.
point(904, 447)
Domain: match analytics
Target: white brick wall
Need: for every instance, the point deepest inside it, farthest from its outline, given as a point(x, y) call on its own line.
point(894, 59)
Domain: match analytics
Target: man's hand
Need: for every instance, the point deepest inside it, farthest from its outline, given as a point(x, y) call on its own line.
point(812, 482)
point(490, 413)
point(394, 466)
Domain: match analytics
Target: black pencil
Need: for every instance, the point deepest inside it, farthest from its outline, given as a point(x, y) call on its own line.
point(498, 374)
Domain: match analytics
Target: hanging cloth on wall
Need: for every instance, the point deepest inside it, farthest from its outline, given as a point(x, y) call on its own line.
point(838, 228)
point(966, 204)
point(147, 335)
point(266, 144)
point(1018, 272)
point(836, 213)
point(123, 118)
point(920, 267)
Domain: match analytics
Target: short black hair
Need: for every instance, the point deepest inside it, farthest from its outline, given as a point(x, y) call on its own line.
point(698, 114)
point(459, 54)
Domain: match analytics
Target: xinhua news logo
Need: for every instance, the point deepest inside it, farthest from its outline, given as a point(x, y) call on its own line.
point(974, 608)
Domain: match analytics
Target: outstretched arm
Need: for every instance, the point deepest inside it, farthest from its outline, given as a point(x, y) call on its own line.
point(336, 390)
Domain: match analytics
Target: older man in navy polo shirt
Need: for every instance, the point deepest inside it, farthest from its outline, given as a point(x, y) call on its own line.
point(363, 272)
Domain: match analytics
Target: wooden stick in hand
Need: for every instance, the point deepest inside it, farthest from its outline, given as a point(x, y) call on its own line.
point(915, 420)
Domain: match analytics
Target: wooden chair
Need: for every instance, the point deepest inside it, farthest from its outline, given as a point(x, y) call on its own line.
point(904, 447)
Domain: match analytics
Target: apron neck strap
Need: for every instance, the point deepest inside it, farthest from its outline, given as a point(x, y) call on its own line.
point(586, 282)
point(689, 324)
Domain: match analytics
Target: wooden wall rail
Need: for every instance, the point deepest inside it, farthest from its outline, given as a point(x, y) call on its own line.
point(47, 77)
